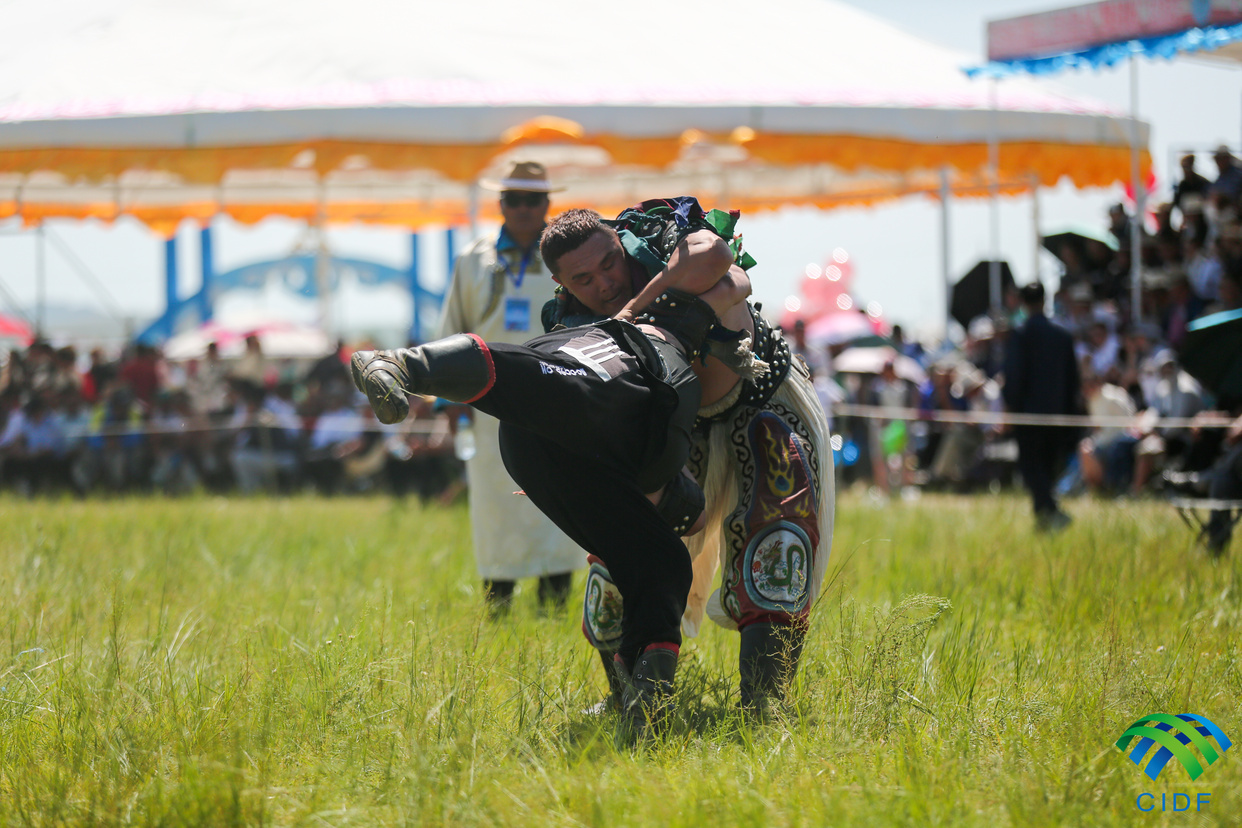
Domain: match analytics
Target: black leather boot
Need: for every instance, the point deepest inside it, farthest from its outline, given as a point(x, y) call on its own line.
point(455, 368)
point(648, 695)
point(767, 663)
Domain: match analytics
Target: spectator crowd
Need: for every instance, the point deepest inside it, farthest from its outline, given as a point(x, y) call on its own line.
point(140, 423)
point(1129, 364)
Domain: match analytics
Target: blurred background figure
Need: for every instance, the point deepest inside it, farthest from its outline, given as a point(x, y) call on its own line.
point(1042, 377)
point(498, 290)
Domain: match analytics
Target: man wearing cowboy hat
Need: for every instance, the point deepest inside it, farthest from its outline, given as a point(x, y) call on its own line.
point(499, 285)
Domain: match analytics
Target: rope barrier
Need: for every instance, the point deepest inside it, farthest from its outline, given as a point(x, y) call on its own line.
point(1004, 418)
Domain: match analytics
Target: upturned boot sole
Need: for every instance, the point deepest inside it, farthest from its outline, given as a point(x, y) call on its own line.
point(379, 378)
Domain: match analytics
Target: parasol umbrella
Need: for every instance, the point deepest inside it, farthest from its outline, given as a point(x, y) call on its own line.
point(972, 295)
point(873, 360)
point(1212, 353)
point(1091, 248)
point(13, 328)
point(278, 339)
point(835, 328)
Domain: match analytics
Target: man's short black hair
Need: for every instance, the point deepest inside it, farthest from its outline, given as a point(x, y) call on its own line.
point(567, 232)
point(1033, 294)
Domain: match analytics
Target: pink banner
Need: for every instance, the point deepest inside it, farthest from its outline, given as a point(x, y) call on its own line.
point(1095, 24)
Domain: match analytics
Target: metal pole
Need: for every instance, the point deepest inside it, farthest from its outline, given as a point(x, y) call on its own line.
point(473, 212)
point(1039, 239)
point(322, 264)
point(416, 289)
point(1140, 202)
point(40, 282)
point(170, 285)
point(945, 276)
point(206, 253)
point(994, 273)
point(450, 251)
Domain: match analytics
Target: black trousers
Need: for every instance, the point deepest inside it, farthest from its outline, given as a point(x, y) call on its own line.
point(607, 515)
point(585, 431)
point(1041, 452)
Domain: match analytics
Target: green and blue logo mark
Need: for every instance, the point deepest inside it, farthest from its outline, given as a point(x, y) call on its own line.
point(1174, 735)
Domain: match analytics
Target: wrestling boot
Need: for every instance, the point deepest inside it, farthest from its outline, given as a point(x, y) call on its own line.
point(767, 663)
point(455, 368)
point(647, 696)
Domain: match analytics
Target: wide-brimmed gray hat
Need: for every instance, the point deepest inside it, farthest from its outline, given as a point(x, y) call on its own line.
point(526, 176)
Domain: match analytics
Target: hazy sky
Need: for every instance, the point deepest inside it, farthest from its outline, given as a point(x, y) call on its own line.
point(895, 250)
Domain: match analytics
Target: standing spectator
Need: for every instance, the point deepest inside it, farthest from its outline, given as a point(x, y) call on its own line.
point(331, 369)
point(1119, 225)
point(1229, 182)
point(1041, 377)
point(65, 377)
point(816, 358)
point(499, 287)
point(889, 438)
point(911, 349)
point(98, 377)
point(252, 367)
point(142, 373)
point(1190, 193)
point(208, 384)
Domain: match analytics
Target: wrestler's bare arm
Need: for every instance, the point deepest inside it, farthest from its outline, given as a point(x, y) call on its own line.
point(701, 264)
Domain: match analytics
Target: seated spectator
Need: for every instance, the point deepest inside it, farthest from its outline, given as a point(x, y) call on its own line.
point(958, 453)
point(37, 459)
point(1203, 269)
point(1225, 483)
point(1230, 294)
point(1106, 458)
point(177, 443)
point(420, 455)
point(1182, 308)
point(116, 444)
point(1177, 395)
point(338, 433)
point(265, 445)
point(1099, 350)
point(1139, 372)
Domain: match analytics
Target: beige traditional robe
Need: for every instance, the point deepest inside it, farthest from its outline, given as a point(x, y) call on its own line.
point(512, 539)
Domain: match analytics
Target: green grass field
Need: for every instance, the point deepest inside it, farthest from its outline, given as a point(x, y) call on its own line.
point(328, 662)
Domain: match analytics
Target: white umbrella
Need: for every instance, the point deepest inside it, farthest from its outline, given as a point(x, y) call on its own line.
point(835, 328)
point(278, 339)
point(873, 360)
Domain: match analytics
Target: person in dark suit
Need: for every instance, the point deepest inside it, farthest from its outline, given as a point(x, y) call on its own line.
point(1042, 377)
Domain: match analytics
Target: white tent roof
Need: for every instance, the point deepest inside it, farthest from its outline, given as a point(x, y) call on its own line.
point(223, 102)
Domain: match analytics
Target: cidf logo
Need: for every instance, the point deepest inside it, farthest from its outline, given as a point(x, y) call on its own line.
point(1175, 735)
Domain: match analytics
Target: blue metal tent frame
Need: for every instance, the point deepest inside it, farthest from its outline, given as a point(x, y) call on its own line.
point(297, 273)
